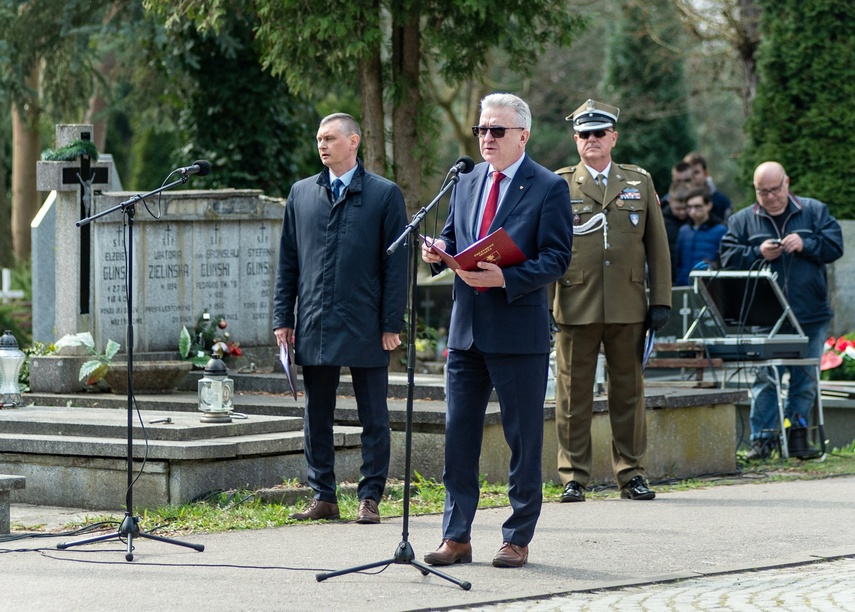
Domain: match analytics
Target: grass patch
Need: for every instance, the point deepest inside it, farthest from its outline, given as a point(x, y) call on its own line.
point(239, 510)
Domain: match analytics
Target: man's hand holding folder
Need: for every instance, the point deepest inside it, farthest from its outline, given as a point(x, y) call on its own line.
point(479, 265)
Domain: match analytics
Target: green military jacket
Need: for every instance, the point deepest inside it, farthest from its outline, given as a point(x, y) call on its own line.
point(610, 268)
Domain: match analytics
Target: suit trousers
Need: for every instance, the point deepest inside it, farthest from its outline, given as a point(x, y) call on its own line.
point(370, 386)
point(520, 383)
point(577, 347)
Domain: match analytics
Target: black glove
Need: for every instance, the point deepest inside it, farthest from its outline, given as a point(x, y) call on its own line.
point(657, 317)
point(553, 326)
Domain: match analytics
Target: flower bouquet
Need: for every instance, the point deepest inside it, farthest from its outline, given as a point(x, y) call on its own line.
point(838, 358)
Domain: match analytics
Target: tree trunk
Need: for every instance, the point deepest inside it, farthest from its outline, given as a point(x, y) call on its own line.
point(98, 103)
point(373, 121)
point(406, 58)
point(748, 39)
point(25, 154)
point(7, 259)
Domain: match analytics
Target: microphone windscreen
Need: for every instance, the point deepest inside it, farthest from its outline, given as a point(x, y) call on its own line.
point(204, 167)
point(468, 164)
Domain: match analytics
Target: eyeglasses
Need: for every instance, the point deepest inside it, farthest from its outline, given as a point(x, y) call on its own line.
point(498, 132)
point(767, 192)
point(594, 133)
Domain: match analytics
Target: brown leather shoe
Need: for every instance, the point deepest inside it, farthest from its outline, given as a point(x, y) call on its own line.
point(511, 555)
point(368, 513)
point(317, 511)
point(450, 552)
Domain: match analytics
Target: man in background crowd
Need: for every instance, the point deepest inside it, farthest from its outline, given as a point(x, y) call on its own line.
point(796, 237)
point(699, 239)
point(701, 178)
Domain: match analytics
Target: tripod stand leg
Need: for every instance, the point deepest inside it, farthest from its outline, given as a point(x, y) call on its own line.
point(151, 536)
point(404, 555)
point(100, 538)
point(128, 530)
point(425, 569)
point(324, 575)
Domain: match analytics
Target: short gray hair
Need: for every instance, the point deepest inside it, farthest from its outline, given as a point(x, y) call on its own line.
point(348, 124)
point(515, 103)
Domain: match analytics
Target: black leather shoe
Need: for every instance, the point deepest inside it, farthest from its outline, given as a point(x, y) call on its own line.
point(573, 492)
point(637, 489)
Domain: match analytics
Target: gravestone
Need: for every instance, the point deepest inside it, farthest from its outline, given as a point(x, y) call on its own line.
point(841, 288)
point(61, 253)
point(209, 251)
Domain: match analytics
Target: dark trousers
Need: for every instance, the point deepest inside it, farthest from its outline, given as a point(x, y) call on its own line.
point(520, 382)
point(370, 386)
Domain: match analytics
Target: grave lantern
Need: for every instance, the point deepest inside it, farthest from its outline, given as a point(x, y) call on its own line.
point(216, 391)
point(11, 361)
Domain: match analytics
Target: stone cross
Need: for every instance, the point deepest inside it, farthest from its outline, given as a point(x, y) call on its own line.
point(73, 184)
point(6, 291)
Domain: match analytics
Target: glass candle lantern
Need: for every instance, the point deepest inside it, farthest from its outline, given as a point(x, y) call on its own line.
point(216, 391)
point(11, 361)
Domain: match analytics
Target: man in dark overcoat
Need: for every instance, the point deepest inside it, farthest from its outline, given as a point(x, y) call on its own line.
point(347, 297)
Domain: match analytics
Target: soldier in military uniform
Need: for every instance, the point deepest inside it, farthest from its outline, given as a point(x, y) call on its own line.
point(620, 248)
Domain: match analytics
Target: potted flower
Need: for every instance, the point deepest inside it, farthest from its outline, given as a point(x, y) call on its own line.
point(93, 370)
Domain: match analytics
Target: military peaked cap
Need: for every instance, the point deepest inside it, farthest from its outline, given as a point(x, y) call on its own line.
point(593, 115)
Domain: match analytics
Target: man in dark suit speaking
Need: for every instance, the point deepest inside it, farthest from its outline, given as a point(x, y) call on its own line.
point(499, 332)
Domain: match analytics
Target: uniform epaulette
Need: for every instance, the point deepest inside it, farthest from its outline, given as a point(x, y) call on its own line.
point(634, 168)
point(566, 170)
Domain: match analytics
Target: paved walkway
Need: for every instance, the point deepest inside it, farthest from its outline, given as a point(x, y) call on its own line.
point(826, 586)
point(755, 546)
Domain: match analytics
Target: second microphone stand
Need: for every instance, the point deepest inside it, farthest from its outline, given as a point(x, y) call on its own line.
point(404, 554)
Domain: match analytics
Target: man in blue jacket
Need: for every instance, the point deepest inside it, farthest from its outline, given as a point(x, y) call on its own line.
point(796, 237)
point(499, 332)
point(348, 297)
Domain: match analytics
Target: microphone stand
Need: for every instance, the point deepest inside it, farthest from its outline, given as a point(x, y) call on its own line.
point(404, 554)
point(129, 528)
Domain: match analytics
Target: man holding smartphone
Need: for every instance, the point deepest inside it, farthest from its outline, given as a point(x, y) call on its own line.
point(796, 237)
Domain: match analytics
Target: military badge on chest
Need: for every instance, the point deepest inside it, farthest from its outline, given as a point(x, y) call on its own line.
point(578, 211)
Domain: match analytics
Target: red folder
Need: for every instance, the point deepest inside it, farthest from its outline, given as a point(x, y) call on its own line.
point(497, 248)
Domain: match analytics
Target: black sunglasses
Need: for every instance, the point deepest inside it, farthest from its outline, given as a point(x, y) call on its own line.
point(594, 133)
point(497, 132)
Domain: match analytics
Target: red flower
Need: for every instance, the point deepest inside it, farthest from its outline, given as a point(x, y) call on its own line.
point(842, 344)
point(830, 360)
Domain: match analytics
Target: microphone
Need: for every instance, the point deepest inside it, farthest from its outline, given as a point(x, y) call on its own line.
point(464, 165)
point(200, 167)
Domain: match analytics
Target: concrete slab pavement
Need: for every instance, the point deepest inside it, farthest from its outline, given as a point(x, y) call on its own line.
point(599, 544)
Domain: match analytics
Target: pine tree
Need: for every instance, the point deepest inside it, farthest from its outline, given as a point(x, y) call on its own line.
point(645, 79)
point(803, 115)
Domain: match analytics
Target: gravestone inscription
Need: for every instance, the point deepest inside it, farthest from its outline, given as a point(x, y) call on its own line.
point(209, 251)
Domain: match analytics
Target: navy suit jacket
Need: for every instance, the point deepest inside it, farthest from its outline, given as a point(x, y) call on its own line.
point(537, 214)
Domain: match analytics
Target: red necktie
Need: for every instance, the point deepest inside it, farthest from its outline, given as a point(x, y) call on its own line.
point(492, 205)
